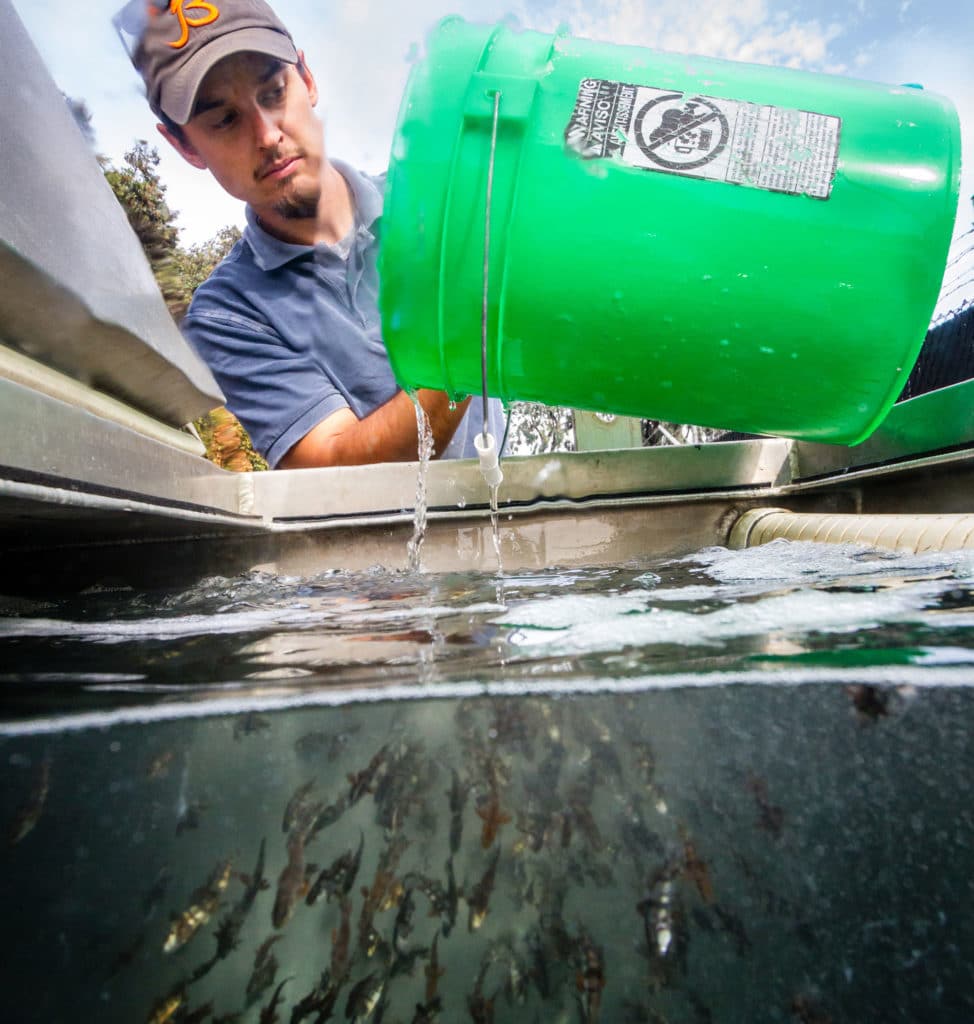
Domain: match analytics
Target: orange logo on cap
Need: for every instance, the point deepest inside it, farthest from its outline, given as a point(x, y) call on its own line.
point(185, 23)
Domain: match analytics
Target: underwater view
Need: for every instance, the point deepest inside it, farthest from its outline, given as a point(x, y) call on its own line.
point(734, 786)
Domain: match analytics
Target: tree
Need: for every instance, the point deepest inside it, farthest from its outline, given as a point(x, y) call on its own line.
point(195, 264)
point(536, 429)
point(138, 188)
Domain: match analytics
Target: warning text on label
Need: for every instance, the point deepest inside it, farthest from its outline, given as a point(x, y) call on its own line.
point(756, 145)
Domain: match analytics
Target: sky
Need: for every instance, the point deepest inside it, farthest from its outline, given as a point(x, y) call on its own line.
point(361, 52)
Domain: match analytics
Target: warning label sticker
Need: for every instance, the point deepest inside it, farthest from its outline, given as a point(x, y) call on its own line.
point(751, 144)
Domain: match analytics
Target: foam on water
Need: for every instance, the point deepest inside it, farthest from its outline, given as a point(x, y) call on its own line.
point(255, 620)
point(586, 625)
point(782, 588)
point(806, 560)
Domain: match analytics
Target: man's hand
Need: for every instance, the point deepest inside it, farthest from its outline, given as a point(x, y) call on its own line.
point(388, 434)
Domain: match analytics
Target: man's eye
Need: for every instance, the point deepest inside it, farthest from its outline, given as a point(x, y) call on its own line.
point(274, 95)
point(224, 122)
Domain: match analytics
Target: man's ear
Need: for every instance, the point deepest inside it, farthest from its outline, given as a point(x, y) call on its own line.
point(182, 147)
point(309, 79)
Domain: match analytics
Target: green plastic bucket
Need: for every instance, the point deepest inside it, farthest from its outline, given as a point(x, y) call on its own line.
point(671, 237)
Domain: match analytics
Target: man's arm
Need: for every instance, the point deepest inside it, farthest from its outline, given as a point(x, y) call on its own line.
point(388, 434)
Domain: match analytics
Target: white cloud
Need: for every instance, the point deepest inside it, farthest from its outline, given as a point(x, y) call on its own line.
point(747, 30)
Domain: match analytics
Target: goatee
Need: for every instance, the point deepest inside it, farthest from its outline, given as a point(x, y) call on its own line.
point(297, 208)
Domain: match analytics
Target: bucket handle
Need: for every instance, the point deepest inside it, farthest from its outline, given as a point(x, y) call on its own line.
point(484, 307)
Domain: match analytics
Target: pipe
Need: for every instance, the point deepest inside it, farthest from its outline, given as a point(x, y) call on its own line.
point(914, 533)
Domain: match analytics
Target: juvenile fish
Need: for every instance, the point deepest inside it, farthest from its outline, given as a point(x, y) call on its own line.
point(264, 970)
point(205, 902)
point(480, 896)
point(268, 1013)
point(364, 997)
point(340, 941)
point(493, 817)
point(166, 1008)
point(250, 724)
point(363, 782)
point(228, 931)
point(297, 806)
point(338, 878)
point(427, 1013)
point(589, 979)
point(457, 795)
point(433, 972)
point(451, 899)
point(665, 925)
point(291, 883)
point(159, 766)
point(30, 813)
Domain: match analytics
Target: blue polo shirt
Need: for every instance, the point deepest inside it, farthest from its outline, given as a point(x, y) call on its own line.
point(292, 333)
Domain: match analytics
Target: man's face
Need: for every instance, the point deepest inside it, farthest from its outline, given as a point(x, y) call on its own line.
point(255, 129)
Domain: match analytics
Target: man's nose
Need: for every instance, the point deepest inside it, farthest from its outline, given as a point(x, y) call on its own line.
point(266, 127)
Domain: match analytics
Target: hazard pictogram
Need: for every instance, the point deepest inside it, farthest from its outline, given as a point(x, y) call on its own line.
point(679, 133)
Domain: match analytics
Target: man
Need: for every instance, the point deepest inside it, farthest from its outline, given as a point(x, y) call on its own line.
point(288, 322)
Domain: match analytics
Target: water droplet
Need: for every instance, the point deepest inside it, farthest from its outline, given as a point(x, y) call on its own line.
point(453, 406)
point(725, 342)
point(707, 277)
point(767, 350)
point(462, 503)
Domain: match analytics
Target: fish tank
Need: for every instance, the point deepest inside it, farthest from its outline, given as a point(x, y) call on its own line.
point(727, 786)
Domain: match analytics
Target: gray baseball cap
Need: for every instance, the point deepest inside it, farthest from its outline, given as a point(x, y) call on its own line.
point(178, 43)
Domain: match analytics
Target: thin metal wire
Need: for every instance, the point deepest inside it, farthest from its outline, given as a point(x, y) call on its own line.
point(483, 316)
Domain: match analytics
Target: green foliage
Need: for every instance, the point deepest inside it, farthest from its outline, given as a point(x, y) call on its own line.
point(195, 264)
point(143, 197)
point(227, 443)
point(138, 188)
